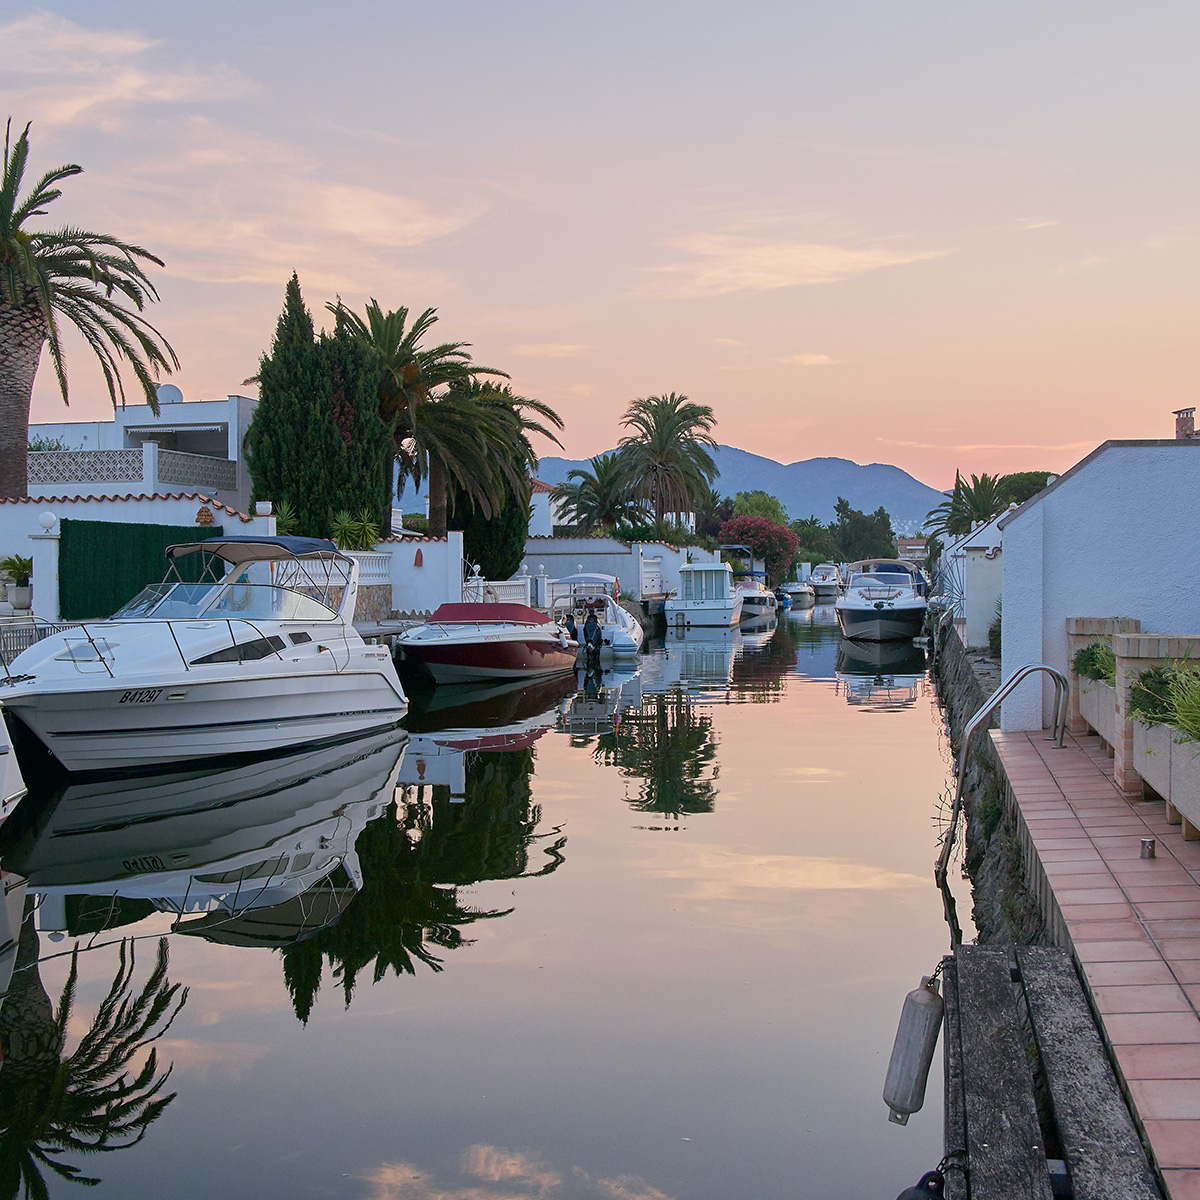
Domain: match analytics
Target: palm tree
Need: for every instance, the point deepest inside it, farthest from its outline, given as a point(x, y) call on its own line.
point(86, 1102)
point(595, 499)
point(664, 459)
point(969, 504)
point(64, 273)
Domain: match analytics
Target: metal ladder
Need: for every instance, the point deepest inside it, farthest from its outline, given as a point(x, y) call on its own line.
point(1058, 730)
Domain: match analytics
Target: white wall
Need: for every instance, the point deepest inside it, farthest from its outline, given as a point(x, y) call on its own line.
point(984, 581)
point(541, 520)
point(438, 580)
point(1116, 536)
point(608, 556)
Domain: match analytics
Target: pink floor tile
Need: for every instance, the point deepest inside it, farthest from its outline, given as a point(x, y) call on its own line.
point(1159, 1062)
point(1152, 1028)
point(1169, 930)
point(1184, 948)
point(1175, 1143)
point(1105, 931)
point(1187, 971)
point(1156, 893)
point(1122, 974)
point(1182, 1185)
point(1100, 895)
point(1170, 908)
point(1117, 951)
point(1167, 1099)
point(1098, 912)
point(1141, 998)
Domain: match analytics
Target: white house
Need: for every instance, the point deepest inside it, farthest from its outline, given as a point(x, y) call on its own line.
point(190, 446)
point(1117, 535)
point(642, 568)
point(971, 579)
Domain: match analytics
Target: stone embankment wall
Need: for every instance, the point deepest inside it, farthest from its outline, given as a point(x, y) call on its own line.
point(1004, 908)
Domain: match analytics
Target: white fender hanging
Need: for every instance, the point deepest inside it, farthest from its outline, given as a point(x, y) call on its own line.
point(912, 1053)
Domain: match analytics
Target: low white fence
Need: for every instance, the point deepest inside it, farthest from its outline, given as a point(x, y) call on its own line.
point(374, 569)
point(477, 590)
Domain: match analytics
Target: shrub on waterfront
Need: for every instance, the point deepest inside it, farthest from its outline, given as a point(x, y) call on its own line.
point(994, 644)
point(775, 544)
point(1183, 689)
point(1150, 695)
point(1096, 661)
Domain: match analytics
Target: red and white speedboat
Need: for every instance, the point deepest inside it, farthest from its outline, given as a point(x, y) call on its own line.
point(465, 642)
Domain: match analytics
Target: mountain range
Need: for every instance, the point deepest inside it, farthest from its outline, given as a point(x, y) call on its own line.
point(807, 488)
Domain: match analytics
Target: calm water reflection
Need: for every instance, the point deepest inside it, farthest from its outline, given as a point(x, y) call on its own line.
point(458, 966)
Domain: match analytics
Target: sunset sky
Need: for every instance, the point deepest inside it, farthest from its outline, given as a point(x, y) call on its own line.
point(936, 234)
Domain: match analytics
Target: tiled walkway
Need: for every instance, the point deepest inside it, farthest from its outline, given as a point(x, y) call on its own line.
point(1135, 927)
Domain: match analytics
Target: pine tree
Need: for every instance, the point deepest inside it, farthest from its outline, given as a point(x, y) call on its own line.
point(317, 440)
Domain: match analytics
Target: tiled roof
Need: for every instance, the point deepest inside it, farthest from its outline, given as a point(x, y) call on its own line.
point(412, 537)
point(536, 486)
point(129, 496)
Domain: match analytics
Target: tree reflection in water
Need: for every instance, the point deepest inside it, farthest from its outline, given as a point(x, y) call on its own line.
point(90, 1101)
point(670, 747)
point(413, 861)
point(763, 661)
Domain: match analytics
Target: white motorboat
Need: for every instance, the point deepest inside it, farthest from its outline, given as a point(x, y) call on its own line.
point(826, 582)
point(802, 593)
point(12, 782)
point(707, 597)
point(592, 592)
point(757, 599)
point(882, 602)
point(472, 643)
point(257, 655)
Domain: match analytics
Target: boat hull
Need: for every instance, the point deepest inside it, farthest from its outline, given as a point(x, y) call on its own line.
point(166, 721)
point(710, 614)
point(466, 662)
point(881, 624)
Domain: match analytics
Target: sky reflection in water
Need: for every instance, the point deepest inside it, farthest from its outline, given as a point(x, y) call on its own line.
point(647, 938)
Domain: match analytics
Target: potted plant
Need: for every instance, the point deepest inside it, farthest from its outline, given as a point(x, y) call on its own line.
point(1184, 693)
point(1096, 668)
point(19, 569)
point(1150, 708)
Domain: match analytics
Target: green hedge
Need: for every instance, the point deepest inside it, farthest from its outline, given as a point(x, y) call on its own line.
point(103, 564)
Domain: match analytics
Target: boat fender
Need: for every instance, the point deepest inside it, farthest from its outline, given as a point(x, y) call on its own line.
point(912, 1053)
point(931, 1184)
point(562, 637)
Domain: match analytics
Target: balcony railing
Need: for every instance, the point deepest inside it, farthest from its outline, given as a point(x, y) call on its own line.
point(149, 466)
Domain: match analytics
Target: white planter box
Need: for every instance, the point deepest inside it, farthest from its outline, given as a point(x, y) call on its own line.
point(1089, 702)
point(1185, 776)
point(1106, 712)
point(1152, 755)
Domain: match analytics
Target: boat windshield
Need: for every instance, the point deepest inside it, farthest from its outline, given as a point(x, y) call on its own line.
point(250, 601)
point(881, 580)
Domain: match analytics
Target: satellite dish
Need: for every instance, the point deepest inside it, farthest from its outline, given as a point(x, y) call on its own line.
point(168, 393)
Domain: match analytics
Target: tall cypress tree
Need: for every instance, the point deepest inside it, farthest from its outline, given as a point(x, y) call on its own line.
point(495, 543)
point(317, 440)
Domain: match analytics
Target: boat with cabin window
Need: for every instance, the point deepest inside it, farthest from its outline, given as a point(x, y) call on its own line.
point(826, 581)
point(883, 601)
point(471, 643)
point(707, 596)
point(800, 592)
point(253, 652)
point(590, 592)
point(757, 599)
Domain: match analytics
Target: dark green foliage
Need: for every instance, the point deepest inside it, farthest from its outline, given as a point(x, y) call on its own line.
point(1150, 695)
point(318, 441)
point(596, 500)
point(1096, 661)
point(859, 535)
point(413, 861)
point(496, 543)
point(104, 564)
point(760, 504)
point(416, 523)
point(712, 512)
point(994, 632)
point(817, 542)
point(1022, 485)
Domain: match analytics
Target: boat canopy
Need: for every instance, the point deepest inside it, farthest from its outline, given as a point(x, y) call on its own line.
point(886, 566)
point(589, 577)
point(238, 550)
point(705, 566)
point(487, 614)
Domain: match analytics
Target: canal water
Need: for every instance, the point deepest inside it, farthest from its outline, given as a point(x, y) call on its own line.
point(631, 938)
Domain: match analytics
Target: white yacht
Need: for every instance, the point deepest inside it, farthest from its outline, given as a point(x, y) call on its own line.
point(706, 597)
point(826, 582)
point(757, 599)
point(592, 592)
point(12, 782)
point(802, 593)
point(255, 653)
point(882, 602)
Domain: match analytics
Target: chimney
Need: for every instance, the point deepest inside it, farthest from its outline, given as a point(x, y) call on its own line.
point(1185, 423)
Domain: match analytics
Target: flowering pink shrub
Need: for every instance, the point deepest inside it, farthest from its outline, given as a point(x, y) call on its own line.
point(775, 544)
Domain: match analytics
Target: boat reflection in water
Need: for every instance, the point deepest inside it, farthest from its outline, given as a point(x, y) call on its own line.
point(884, 676)
point(463, 815)
point(600, 699)
point(250, 849)
point(699, 660)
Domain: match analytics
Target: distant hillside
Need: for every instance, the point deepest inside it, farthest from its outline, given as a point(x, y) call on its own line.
point(806, 488)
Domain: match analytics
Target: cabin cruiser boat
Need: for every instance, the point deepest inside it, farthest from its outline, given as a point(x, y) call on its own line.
point(800, 592)
point(757, 599)
point(248, 837)
point(463, 643)
point(706, 597)
point(12, 783)
point(592, 592)
point(826, 582)
point(255, 653)
point(882, 602)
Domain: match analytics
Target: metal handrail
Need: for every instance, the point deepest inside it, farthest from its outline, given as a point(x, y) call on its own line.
point(1062, 697)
